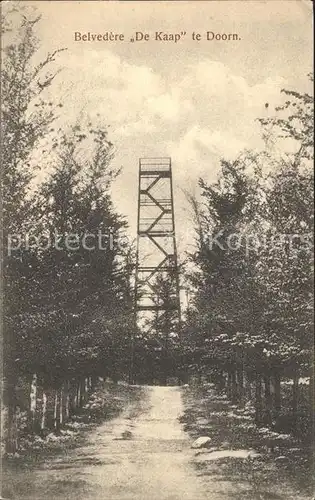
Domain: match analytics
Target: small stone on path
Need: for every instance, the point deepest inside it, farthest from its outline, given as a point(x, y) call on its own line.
point(201, 442)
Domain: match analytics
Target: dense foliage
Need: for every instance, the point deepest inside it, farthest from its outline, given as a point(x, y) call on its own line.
point(67, 269)
point(252, 312)
point(68, 273)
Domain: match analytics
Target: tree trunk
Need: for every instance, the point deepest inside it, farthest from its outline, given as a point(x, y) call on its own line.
point(277, 400)
point(258, 399)
point(248, 388)
point(229, 385)
point(56, 419)
point(86, 387)
point(44, 411)
point(75, 397)
point(9, 428)
point(225, 380)
point(67, 404)
point(240, 380)
point(33, 400)
point(311, 394)
point(79, 395)
point(9, 376)
point(61, 406)
point(295, 399)
point(268, 400)
point(82, 391)
point(8, 407)
point(234, 387)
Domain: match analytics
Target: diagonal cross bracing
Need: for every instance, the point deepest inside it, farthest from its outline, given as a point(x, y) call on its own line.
point(156, 231)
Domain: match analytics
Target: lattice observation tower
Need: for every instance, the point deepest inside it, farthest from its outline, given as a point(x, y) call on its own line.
point(156, 259)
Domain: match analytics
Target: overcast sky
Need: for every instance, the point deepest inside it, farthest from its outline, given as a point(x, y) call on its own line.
point(195, 101)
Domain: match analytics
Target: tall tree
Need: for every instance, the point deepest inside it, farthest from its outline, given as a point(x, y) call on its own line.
point(252, 308)
point(25, 117)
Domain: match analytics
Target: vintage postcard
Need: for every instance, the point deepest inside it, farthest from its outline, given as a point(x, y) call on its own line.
point(157, 250)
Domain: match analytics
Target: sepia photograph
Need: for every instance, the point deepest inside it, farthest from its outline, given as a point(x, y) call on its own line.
point(157, 250)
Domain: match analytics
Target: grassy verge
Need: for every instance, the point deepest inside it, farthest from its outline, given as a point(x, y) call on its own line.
point(106, 402)
point(280, 466)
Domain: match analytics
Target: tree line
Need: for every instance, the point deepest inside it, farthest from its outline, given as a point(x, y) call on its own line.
point(67, 307)
point(250, 320)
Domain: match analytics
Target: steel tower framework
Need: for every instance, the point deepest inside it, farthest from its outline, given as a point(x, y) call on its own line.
point(156, 244)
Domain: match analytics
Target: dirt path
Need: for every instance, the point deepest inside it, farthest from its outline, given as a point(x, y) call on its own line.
point(145, 454)
point(142, 455)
